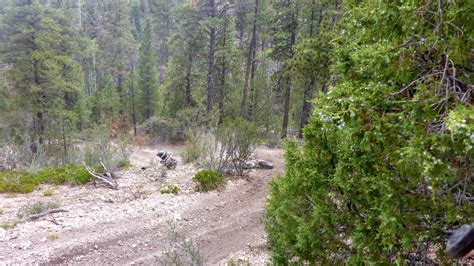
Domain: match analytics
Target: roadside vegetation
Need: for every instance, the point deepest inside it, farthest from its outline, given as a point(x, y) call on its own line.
point(385, 170)
point(23, 181)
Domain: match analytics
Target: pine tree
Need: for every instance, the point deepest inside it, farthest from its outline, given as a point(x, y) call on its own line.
point(388, 147)
point(164, 23)
point(285, 28)
point(250, 66)
point(209, 7)
point(185, 80)
point(40, 46)
point(118, 46)
point(147, 74)
point(105, 102)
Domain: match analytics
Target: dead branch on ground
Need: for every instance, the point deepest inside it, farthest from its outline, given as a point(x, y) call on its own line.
point(42, 214)
point(108, 178)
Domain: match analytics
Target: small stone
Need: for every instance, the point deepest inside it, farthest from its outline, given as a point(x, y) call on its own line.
point(25, 245)
point(44, 239)
point(12, 236)
point(96, 247)
point(134, 246)
point(3, 234)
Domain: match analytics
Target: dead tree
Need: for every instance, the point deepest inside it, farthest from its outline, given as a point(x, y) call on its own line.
point(108, 178)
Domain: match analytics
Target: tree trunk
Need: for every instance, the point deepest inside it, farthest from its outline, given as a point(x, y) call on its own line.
point(309, 88)
point(189, 96)
point(63, 129)
point(223, 73)
point(250, 69)
point(211, 59)
point(134, 112)
point(120, 91)
point(241, 28)
point(286, 107)
point(308, 93)
point(288, 91)
point(79, 9)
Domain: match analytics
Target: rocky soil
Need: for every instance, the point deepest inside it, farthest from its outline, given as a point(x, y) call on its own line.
point(131, 225)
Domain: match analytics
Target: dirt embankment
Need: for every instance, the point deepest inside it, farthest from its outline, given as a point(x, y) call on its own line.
point(131, 225)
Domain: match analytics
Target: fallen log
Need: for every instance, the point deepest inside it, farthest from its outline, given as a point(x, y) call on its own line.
point(42, 214)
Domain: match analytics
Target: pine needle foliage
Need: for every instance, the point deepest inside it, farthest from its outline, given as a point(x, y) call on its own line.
point(386, 168)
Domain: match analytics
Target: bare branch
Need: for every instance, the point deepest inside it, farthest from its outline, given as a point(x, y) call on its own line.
point(39, 215)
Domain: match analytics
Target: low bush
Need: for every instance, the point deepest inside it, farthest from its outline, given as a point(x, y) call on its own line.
point(7, 226)
point(36, 208)
point(124, 164)
point(229, 147)
point(48, 192)
point(180, 250)
point(193, 149)
point(175, 127)
point(52, 237)
point(23, 181)
point(164, 129)
point(240, 139)
point(100, 148)
point(170, 189)
point(209, 180)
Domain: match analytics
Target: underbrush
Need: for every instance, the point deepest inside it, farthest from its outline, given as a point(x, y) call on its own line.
point(23, 181)
point(36, 208)
point(170, 189)
point(181, 250)
point(209, 180)
point(225, 149)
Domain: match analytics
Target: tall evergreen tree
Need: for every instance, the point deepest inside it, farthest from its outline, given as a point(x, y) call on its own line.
point(41, 45)
point(185, 80)
point(284, 29)
point(210, 9)
point(118, 46)
point(147, 74)
point(250, 65)
point(164, 23)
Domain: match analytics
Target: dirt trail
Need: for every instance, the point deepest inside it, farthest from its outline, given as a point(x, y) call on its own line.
point(130, 225)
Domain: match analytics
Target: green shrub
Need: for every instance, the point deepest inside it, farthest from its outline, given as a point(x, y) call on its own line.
point(101, 148)
point(174, 128)
point(228, 147)
point(25, 182)
point(7, 226)
point(48, 192)
point(15, 182)
point(124, 164)
point(164, 129)
point(386, 167)
point(193, 149)
point(180, 250)
point(209, 180)
point(170, 189)
point(239, 137)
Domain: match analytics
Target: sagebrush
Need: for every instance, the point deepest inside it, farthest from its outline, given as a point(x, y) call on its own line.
point(208, 180)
